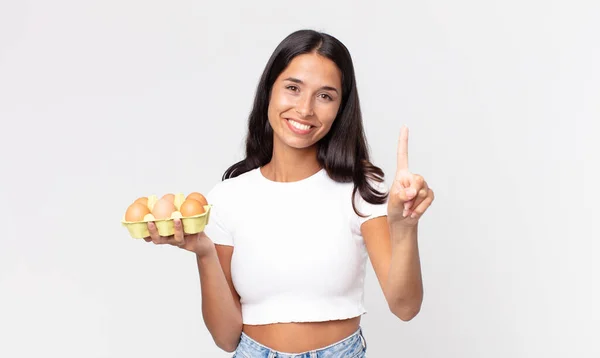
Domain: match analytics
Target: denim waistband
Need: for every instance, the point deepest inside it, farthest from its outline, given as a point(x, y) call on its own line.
point(355, 341)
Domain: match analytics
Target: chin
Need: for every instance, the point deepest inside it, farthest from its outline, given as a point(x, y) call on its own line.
point(300, 146)
point(296, 144)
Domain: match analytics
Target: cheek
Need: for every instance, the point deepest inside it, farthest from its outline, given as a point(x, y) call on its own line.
point(278, 104)
point(281, 102)
point(328, 115)
point(272, 109)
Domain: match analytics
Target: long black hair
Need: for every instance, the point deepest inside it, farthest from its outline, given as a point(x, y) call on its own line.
point(343, 152)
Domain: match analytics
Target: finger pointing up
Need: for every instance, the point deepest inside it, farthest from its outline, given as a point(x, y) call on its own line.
point(402, 160)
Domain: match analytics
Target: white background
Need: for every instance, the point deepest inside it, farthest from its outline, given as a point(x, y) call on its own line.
point(105, 101)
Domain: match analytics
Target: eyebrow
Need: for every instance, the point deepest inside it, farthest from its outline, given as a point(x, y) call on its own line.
point(295, 80)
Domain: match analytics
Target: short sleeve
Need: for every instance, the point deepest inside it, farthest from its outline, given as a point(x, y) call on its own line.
point(218, 229)
point(371, 211)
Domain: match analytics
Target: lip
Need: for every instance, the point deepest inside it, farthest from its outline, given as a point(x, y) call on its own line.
point(297, 130)
point(300, 121)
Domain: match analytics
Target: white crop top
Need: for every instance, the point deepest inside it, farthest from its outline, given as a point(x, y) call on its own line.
point(298, 255)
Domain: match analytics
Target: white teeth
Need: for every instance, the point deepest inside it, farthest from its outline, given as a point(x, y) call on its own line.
point(303, 127)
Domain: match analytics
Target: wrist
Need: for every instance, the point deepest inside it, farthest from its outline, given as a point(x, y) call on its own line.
point(206, 256)
point(401, 232)
point(204, 248)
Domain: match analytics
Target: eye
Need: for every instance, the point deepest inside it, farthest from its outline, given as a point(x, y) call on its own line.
point(326, 96)
point(292, 88)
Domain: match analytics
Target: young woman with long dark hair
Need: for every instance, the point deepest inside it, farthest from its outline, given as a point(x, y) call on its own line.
point(282, 260)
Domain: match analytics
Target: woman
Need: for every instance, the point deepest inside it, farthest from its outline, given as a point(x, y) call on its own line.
point(282, 260)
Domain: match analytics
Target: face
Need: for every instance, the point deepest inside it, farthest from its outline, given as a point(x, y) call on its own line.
point(304, 101)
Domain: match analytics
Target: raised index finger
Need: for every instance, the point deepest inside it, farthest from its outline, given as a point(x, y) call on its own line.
point(402, 161)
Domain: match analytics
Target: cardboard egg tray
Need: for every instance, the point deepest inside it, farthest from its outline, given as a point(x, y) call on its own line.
point(166, 227)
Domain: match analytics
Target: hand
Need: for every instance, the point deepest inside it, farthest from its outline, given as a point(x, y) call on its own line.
point(410, 196)
point(199, 243)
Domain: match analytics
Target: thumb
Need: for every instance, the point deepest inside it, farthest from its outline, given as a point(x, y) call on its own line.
point(410, 193)
point(405, 194)
point(403, 197)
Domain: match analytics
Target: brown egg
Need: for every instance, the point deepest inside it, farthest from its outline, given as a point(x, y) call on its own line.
point(198, 197)
point(143, 200)
point(170, 197)
point(163, 209)
point(136, 212)
point(191, 207)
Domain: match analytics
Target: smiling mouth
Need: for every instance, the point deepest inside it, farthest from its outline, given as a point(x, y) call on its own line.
point(298, 127)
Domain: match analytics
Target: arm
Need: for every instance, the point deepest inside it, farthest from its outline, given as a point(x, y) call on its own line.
point(405, 285)
point(394, 254)
point(392, 240)
point(220, 302)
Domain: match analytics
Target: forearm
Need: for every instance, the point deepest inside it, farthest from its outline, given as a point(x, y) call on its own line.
point(221, 314)
point(404, 288)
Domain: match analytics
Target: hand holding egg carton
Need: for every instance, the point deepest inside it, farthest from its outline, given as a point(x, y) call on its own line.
point(193, 211)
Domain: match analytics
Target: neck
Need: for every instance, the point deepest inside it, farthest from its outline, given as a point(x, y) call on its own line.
point(291, 164)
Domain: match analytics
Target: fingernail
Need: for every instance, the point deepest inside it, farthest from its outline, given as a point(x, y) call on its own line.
point(404, 213)
point(410, 192)
point(414, 215)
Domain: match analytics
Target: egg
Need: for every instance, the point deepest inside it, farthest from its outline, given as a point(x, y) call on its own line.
point(191, 207)
point(143, 200)
point(197, 196)
point(170, 197)
point(163, 209)
point(136, 212)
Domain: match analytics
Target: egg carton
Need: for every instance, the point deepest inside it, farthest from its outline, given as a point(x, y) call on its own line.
point(166, 227)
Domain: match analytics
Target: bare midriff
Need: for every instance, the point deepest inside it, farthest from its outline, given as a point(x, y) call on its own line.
point(302, 337)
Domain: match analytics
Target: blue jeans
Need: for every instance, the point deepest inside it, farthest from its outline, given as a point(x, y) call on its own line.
point(354, 346)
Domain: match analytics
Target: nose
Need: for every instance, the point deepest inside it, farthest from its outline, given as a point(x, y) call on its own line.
point(304, 107)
